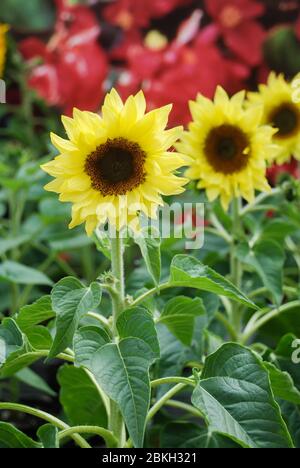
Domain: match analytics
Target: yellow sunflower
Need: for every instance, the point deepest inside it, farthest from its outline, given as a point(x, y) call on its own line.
point(228, 147)
point(114, 166)
point(3, 31)
point(281, 111)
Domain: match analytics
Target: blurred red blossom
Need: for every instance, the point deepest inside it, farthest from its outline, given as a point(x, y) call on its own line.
point(235, 21)
point(176, 71)
point(131, 13)
point(73, 65)
point(276, 171)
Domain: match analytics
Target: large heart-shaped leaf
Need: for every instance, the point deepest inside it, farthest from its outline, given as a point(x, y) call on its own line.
point(122, 371)
point(235, 396)
point(187, 271)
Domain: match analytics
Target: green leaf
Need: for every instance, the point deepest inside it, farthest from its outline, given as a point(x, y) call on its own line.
point(103, 243)
point(12, 243)
point(267, 259)
point(187, 435)
point(71, 300)
point(189, 272)
point(35, 314)
point(149, 243)
point(10, 437)
point(282, 384)
point(174, 356)
point(179, 316)
point(20, 274)
point(122, 371)
point(80, 398)
point(39, 337)
point(291, 415)
point(11, 339)
point(87, 341)
point(65, 244)
point(48, 435)
point(138, 323)
point(29, 377)
point(17, 361)
point(235, 396)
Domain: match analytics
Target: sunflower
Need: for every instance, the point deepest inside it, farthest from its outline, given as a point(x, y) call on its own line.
point(115, 166)
point(228, 147)
point(281, 111)
point(3, 31)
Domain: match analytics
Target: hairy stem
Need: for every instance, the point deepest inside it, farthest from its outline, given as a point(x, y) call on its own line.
point(116, 424)
point(108, 436)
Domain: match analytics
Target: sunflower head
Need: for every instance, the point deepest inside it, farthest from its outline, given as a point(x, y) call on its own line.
point(282, 111)
point(114, 166)
point(3, 31)
point(228, 147)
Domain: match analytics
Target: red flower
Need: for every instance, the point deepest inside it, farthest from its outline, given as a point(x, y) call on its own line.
point(236, 22)
point(130, 13)
point(73, 66)
point(276, 171)
point(177, 71)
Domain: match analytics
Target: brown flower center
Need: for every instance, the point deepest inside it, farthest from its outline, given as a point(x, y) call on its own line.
point(226, 149)
point(116, 167)
point(286, 118)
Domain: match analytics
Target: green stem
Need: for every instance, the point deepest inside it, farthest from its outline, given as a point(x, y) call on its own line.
point(185, 407)
point(151, 293)
point(117, 264)
point(169, 380)
point(227, 325)
point(235, 265)
point(162, 401)
point(108, 436)
point(266, 292)
point(220, 228)
point(46, 417)
point(266, 316)
point(116, 424)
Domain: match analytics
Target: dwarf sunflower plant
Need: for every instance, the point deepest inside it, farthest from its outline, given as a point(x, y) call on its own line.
point(281, 109)
point(160, 347)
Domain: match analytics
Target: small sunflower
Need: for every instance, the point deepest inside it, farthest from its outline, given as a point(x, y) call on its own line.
point(3, 31)
point(115, 166)
point(228, 147)
point(281, 111)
